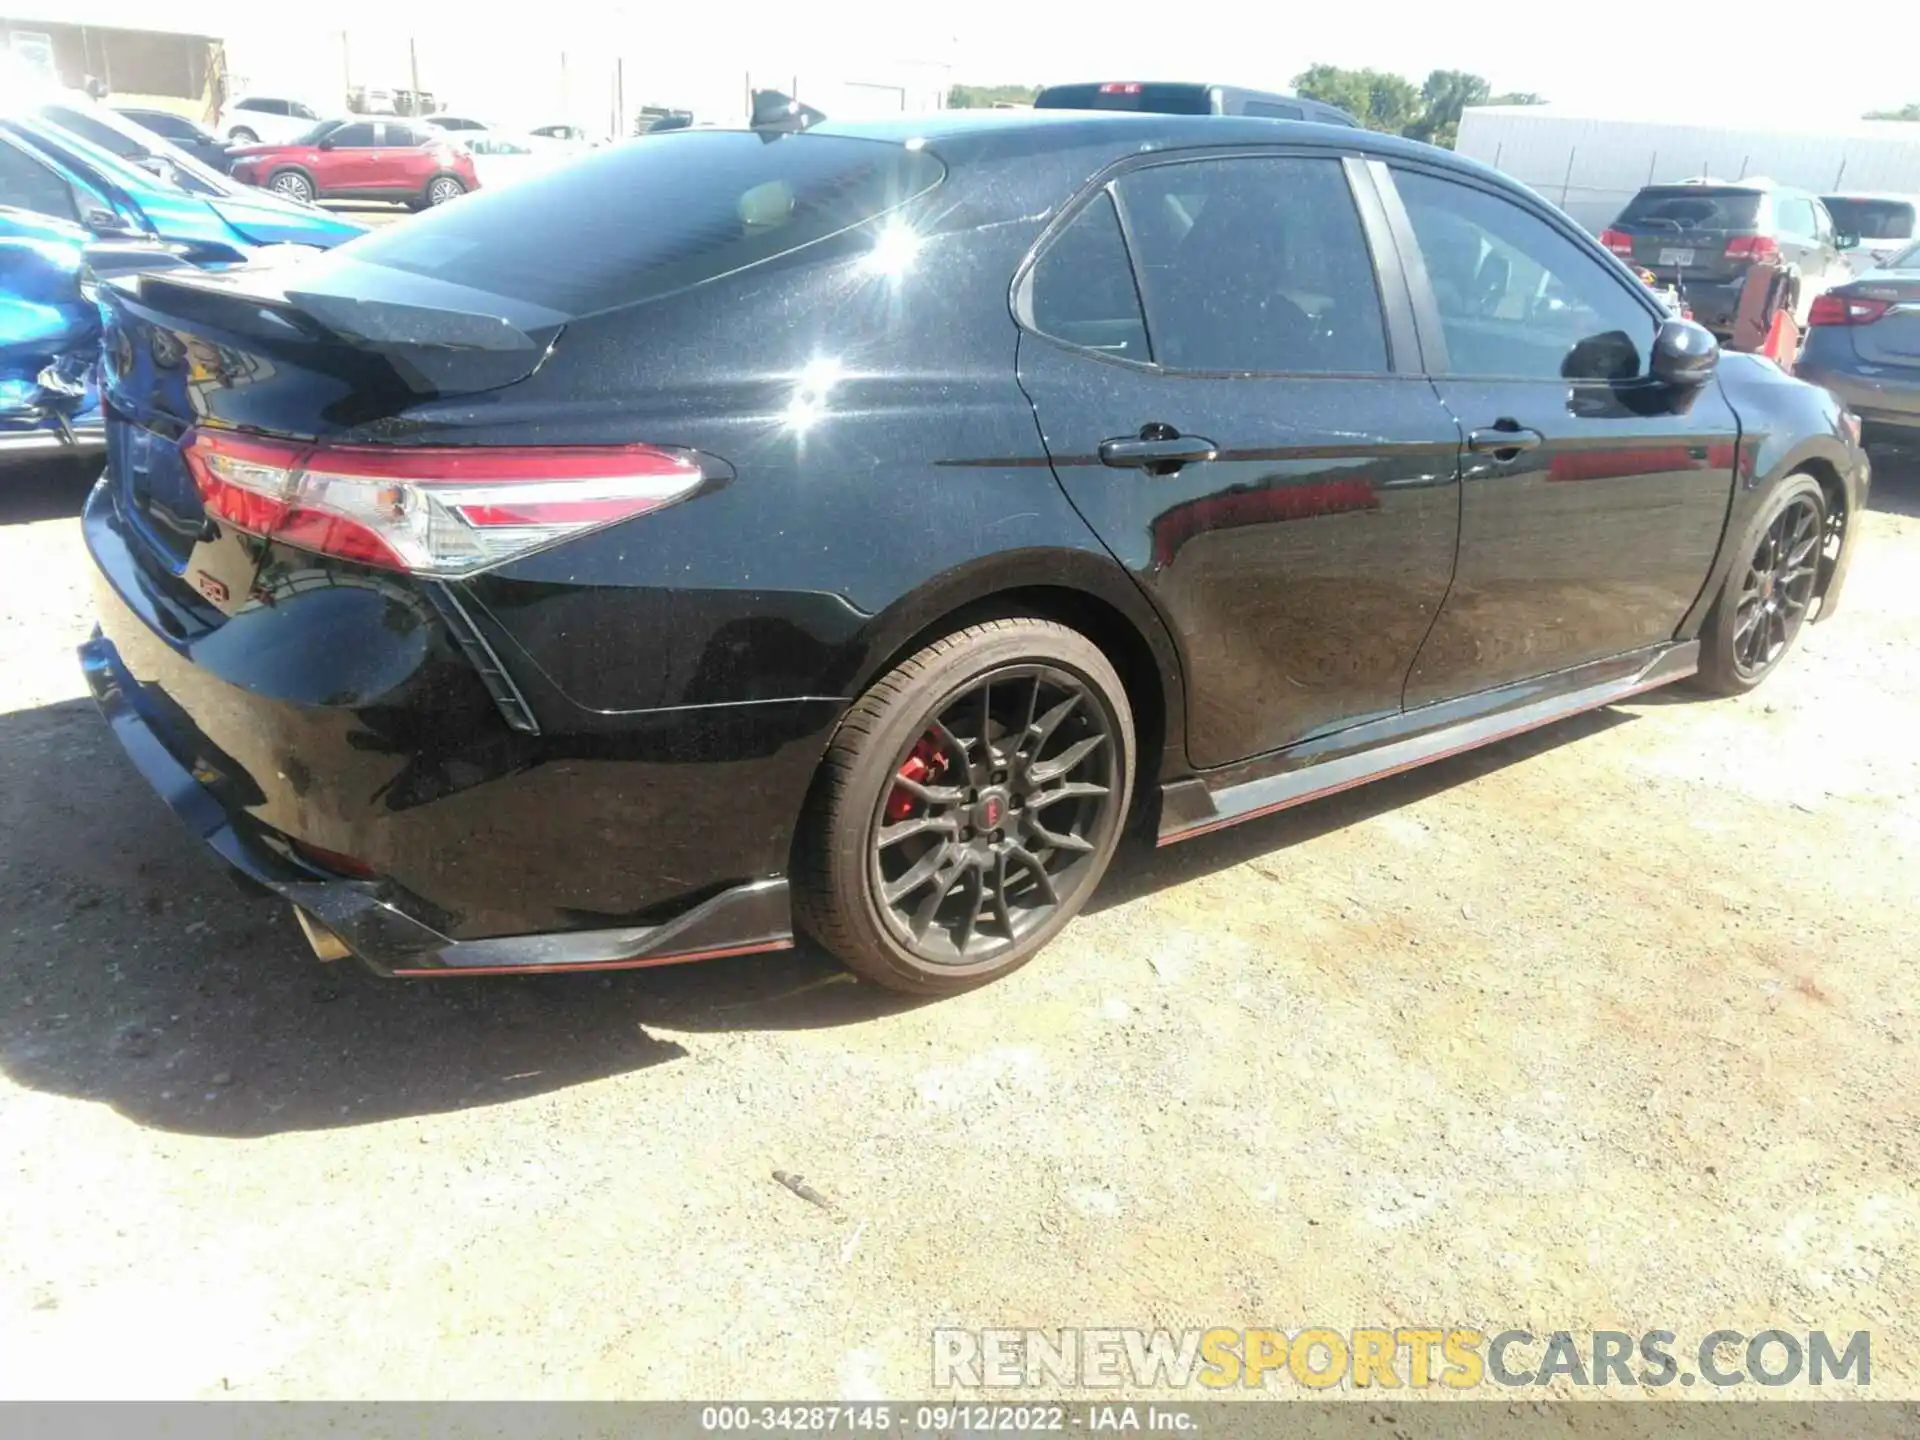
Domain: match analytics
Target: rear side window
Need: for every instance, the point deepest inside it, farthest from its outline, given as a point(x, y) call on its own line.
point(26, 184)
point(1255, 264)
point(1693, 207)
point(1081, 290)
point(632, 222)
point(1872, 219)
point(1127, 95)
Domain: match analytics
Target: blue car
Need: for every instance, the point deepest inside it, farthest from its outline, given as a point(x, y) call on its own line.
point(65, 201)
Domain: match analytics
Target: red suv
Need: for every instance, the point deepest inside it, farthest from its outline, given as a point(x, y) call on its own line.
point(357, 159)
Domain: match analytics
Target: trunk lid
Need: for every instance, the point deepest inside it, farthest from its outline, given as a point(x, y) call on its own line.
point(1681, 232)
point(1894, 338)
point(310, 346)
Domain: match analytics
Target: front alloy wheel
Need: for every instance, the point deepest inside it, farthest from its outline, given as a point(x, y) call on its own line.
point(1769, 591)
point(294, 186)
point(968, 806)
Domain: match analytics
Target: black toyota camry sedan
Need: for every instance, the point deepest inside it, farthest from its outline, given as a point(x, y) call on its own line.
point(851, 532)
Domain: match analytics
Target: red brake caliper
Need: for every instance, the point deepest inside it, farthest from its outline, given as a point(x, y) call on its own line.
point(923, 762)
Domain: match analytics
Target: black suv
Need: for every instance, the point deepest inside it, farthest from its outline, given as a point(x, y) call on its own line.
point(1703, 237)
point(1187, 99)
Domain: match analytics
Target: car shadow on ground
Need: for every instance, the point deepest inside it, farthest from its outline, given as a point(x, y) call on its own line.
point(1896, 476)
point(134, 974)
point(46, 487)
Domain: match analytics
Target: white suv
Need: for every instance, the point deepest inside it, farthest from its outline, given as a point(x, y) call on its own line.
point(257, 119)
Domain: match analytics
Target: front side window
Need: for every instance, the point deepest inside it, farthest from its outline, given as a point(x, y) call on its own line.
point(1255, 264)
point(358, 136)
point(1516, 297)
point(1081, 290)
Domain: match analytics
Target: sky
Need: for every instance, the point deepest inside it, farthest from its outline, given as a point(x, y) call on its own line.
point(1603, 59)
point(1607, 60)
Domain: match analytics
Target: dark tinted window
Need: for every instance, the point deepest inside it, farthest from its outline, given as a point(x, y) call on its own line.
point(96, 131)
point(1255, 264)
point(1693, 207)
point(26, 184)
point(319, 132)
point(630, 222)
point(1127, 95)
point(1082, 291)
point(1872, 219)
point(397, 135)
point(161, 123)
point(1516, 296)
point(299, 111)
point(358, 135)
point(264, 107)
point(1273, 110)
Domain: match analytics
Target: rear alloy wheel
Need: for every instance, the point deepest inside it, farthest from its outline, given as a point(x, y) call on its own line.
point(293, 185)
point(443, 189)
point(1769, 591)
point(967, 807)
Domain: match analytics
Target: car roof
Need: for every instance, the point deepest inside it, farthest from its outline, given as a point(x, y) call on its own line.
point(954, 131)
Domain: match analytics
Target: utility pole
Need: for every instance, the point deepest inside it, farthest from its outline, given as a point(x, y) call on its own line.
point(413, 67)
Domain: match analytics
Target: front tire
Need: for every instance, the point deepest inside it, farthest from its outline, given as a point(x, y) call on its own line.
point(1766, 596)
point(293, 185)
point(967, 807)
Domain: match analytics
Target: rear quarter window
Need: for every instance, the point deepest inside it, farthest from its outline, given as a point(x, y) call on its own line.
point(642, 219)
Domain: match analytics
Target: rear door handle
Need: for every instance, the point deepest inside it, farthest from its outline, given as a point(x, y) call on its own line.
point(1504, 437)
point(1159, 454)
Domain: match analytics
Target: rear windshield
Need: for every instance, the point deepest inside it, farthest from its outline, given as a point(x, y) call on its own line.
point(1693, 207)
point(650, 216)
point(1158, 99)
point(1871, 219)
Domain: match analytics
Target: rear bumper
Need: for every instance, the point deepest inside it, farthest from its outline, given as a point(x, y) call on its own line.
point(332, 742)
point(1876, 399)
point(378, 921)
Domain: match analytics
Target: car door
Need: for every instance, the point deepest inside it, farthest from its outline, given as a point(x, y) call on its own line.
point(397, 159)
point(1230, 395)
point(1592, 500)
point(350, 159)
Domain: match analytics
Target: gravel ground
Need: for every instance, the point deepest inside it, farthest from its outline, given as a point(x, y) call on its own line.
point(1612, 1026)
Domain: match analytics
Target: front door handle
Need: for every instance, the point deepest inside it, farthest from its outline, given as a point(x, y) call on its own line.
point(1160, 452)
point(1504, 437)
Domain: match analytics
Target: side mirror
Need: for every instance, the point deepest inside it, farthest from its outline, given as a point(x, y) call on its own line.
point(326, 143)
point(1684, 354)
point(1846, 242)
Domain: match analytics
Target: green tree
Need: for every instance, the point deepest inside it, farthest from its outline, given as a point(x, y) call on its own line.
point(1377, 99)
point(1905, 112)
point(1444, 95)
point(985, 97)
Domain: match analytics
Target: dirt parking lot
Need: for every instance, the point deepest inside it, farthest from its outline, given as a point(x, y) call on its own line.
point(1612, 1026)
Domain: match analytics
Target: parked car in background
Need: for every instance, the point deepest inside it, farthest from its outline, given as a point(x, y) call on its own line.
point(571, 136)
point(456, 125)
point(1169, 98)
point(49, 336)
point(401, 161)
point(503, 159)
point(1702, 236)
point(1884, 225)
point(275, 120)
point(1864, 344)
point(180, 132)
point(763, 603)
point(49, 170)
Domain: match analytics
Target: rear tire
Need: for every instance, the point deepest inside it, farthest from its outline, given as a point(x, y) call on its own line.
point(967, 807)
point(1768, 591)
point(442, 190)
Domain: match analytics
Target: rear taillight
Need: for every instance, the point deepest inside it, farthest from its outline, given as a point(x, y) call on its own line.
point(1122, 88)
point(1618, 241)
point(429, 510)
point(1752, 247)
point(1833, 308)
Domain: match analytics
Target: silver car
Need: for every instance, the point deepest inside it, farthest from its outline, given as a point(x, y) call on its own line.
point(1883, 225)
point(1864, 344)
